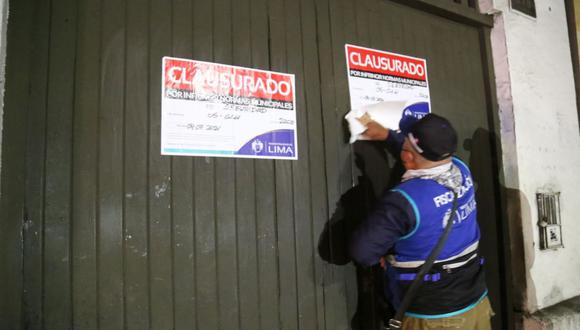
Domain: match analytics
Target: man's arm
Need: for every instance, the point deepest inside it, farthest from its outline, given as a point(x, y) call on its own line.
point(393, 218)
point(393, 139)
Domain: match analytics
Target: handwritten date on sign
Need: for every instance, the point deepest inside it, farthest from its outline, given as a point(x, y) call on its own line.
point(227, 116)
point(202, 127)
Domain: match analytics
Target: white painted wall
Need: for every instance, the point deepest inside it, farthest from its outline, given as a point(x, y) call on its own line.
point(547, 142)
point(3, 23)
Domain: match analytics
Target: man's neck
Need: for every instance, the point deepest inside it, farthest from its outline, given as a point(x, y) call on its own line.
point(430, 164)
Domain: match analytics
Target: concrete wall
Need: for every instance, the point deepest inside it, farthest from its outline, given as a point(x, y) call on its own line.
point(541, 138)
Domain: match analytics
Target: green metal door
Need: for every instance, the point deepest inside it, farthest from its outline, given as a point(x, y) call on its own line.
point(102, 231)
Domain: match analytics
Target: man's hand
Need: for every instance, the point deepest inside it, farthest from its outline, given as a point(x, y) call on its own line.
point(375, 131)
point(383, 263)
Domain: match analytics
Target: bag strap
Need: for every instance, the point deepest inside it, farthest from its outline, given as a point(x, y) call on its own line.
point(397, 321)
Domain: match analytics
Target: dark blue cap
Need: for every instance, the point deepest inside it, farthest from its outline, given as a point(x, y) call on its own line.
point(433, 137)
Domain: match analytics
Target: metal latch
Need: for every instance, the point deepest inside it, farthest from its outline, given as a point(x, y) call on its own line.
point(549, 220)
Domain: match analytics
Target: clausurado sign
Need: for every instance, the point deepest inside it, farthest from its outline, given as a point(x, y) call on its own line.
point(390, 88)
point(211, 109)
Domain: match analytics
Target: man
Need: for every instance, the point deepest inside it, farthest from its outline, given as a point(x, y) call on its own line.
point(408, 222)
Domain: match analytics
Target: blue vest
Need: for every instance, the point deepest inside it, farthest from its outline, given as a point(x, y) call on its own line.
point(432, 204)
point(444, 292)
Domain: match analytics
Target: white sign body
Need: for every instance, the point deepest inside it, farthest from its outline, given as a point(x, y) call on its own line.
point(218, 110)
point(391, 88)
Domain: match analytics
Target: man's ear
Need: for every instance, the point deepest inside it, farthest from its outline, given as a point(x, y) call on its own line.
point(407, 157)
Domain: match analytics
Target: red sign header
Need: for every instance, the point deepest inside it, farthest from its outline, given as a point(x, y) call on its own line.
point(222, 79)
point(369, 60)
